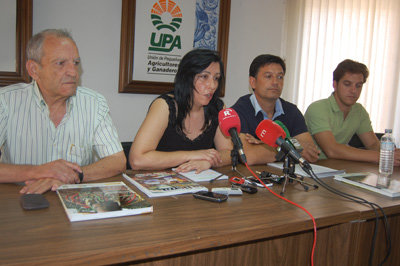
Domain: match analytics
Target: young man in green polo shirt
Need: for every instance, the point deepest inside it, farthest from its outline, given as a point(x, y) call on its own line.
point(333, 121)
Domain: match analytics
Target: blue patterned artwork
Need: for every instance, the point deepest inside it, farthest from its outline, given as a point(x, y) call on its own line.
point(207, 17)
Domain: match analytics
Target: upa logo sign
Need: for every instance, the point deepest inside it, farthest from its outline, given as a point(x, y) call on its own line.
point(165, 15)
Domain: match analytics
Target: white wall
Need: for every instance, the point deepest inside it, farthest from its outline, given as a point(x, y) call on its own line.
point(255, 28)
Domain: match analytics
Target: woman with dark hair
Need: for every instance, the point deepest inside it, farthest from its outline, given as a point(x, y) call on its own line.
point(181, 127)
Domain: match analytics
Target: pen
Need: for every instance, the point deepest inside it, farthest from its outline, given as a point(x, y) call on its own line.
point(215, 178)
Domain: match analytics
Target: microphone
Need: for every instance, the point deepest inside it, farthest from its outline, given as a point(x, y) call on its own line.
point(294, 142)
point(282, 125)
point(273, 135)
point(229, 123)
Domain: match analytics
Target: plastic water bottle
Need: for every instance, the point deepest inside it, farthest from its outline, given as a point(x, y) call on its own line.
point(386, 157)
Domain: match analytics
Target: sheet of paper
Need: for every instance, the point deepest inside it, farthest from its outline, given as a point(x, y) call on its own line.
point(320, 171)
point(206, 175)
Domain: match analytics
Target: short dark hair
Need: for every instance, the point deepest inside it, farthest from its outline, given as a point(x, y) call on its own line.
point(265, 59)
point(193, 63)
point(350, 66)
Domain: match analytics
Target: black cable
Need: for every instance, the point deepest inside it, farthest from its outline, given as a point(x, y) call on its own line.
point(372, 205)
point(360, 200)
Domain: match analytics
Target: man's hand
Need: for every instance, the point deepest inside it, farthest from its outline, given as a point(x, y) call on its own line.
point(61, 170)
point(252, 140)
point(40, 186)
point(310, 152)
point(396, 157)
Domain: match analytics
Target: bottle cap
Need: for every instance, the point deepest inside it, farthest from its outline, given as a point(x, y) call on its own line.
point(388, 130)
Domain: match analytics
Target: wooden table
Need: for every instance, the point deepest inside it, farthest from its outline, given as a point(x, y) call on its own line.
point(257, 229)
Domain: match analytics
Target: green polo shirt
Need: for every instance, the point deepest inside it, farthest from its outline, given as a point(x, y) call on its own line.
point(325, 115)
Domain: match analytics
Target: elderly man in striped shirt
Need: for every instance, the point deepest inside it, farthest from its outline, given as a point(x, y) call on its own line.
point(53, 131)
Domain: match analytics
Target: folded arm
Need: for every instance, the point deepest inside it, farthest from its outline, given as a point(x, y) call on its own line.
point(310, 151)
point(256, 151)
point(106, 167)
point(335, 150)
point(371, 142)
point(61, 170)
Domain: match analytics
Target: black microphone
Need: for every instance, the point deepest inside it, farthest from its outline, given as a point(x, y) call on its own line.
point(229, 124)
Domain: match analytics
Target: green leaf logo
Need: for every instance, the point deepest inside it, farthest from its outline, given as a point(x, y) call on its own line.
point(166, 14)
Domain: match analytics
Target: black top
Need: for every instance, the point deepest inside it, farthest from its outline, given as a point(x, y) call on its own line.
point(174, 139)
point(292, 118)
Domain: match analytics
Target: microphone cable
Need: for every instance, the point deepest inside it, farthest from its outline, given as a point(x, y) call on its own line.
point(362, 201)
point(295, 204)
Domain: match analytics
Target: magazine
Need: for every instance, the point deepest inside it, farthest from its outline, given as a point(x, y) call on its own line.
point(101, 200)
point(163, 183)
point(320, 171)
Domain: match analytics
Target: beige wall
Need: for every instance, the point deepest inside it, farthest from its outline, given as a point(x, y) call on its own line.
point(255, 27)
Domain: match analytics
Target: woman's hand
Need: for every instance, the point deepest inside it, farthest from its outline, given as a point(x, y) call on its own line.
point(211, 155)
point(197, 165)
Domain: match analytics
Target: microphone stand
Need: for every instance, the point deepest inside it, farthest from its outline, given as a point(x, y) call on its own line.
point(289, 174)
point(234, 158)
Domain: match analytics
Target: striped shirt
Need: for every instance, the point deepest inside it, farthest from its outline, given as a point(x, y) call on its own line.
point(28, 136)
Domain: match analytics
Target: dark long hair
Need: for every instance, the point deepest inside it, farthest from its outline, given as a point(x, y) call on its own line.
point(192, 64)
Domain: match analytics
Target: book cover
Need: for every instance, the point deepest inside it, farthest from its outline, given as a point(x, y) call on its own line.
point(163, 183)
point(101, 200)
